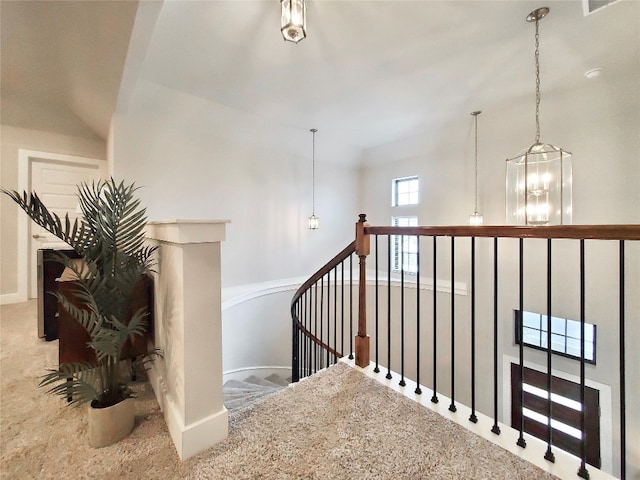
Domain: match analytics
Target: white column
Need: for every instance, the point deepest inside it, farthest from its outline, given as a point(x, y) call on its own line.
point(188, 329)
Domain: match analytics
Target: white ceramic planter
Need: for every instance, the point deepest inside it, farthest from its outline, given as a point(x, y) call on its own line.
point(110, 425)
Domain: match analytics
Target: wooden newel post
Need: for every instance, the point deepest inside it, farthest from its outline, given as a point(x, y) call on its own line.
point(363, 248)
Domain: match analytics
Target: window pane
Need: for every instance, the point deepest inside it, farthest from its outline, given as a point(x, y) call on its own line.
point(531, 336)
point(573, 347)
point(557, 325)
point(531, 320)
point(573, 329)
point(589, 334)
point(557, 343)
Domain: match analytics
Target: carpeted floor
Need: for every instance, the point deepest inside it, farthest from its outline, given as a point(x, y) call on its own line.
point(337, 425)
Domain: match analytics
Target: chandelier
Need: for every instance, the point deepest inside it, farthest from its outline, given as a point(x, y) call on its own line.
point(539, 179)
point(294, 20)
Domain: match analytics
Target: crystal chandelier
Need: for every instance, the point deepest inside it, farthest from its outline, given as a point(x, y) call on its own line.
point(539, 179)
point(294, 20)
point(476, 217)
point(314, 222)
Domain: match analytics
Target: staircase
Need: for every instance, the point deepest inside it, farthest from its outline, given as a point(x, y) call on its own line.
point(239, 394)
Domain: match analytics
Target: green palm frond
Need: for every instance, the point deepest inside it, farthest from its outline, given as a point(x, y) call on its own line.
point(110, 239)
point(79, 381)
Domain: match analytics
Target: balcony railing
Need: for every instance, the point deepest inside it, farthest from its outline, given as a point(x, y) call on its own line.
point(446, 319)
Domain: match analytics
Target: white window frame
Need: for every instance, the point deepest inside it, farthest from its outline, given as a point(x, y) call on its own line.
point(412, 194)
point(408, 248)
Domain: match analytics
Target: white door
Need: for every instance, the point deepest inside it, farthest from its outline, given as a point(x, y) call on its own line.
point(55, 182)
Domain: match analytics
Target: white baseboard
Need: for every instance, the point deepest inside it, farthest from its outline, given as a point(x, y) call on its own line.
point(196, 437)
point(7, 298)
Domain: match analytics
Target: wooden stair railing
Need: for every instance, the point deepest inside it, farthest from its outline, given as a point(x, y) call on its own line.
point(306, 339)
point(303, 317)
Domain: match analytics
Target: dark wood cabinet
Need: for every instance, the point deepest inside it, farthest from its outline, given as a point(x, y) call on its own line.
point(49, 271)
point(73, 337)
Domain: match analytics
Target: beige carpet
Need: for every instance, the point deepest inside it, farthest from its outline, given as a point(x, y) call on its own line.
point(337, 425)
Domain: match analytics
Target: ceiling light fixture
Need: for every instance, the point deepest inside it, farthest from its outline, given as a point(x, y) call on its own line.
point(294, 20)
point(314, 222)
point(539, 179)
point(476, 217)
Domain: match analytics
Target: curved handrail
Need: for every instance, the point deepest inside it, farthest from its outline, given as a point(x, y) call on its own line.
point(577, 232)
point(333, 263)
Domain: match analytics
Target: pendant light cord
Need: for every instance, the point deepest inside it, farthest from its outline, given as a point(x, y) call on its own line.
point(475, 114)
point(537, 55)
point(313, 173)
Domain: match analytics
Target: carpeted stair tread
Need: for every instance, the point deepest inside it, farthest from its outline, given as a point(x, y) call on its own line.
point(277, 379)
point(249, 386)
point(261, 381)
point(239, 394)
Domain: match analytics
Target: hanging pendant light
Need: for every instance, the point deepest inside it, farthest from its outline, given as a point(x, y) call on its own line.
point(314, 222)
point(476, 217)
point(539, 179)
point(294, 20)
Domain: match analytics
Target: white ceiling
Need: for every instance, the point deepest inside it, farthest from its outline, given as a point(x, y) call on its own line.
point(374, 71)
point(61, 63)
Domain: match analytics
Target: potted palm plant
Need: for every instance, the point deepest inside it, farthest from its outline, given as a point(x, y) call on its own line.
point(109, 237)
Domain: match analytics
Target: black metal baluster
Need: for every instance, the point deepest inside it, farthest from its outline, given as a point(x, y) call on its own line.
point(549, 454)
point(320, 352)
point(434, 397)
point(582, 471)
point(388, 376)
point(315, 334)
point(496, 428)
point(473, 418)
point(294, 353)
point(309, 342)
point(303, 309)
point(418, 391)
point(623, 425)
point(521, 441)
point(377, 367)
point(328, 317)
point(452, 406)
point(342, 300)
point(335, 314)
point(402, 382)
point(351, 307)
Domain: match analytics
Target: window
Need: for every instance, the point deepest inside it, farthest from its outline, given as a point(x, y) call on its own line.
point(565, 335)
point(405, 191)
point(405, 246)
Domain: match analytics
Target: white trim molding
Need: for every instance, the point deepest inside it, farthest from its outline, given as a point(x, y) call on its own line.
point(25, 158)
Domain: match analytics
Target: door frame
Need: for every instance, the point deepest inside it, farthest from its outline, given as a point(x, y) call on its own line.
point(25, 158)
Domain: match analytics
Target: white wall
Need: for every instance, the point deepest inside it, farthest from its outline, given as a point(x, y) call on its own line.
point(200, 160)
point(196, 159)
point(598, 121)
point(11, 140)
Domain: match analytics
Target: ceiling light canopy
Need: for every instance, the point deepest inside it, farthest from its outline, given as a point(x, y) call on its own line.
point(539, 179)
point(294, 20)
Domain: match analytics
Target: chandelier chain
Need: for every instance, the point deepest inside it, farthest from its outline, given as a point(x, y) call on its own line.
point(476, 165)
point(313, 173)
point(537, 55)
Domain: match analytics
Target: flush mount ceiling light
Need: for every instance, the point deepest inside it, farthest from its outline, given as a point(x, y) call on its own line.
point(476, 217)
point(539, 179)
point(294, 20)
point(314, 222)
